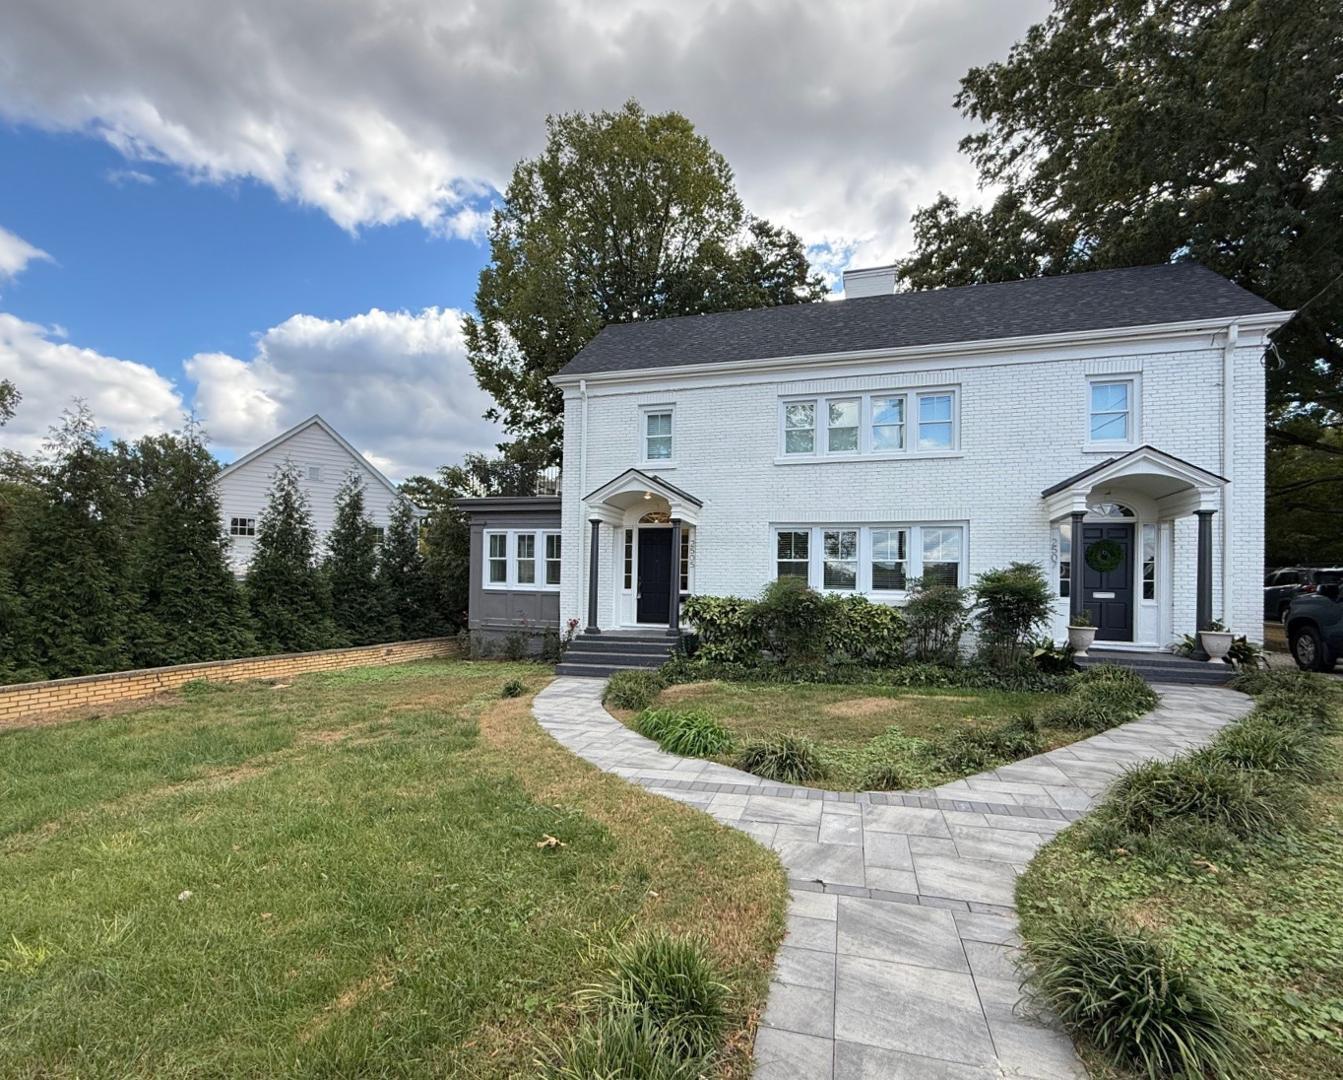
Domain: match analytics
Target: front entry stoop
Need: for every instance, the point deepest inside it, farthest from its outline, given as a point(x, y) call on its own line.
point(599, 655)
point(1162, 667)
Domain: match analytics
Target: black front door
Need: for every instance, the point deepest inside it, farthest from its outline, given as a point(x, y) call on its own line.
point(1107, 580)
point(654, 596)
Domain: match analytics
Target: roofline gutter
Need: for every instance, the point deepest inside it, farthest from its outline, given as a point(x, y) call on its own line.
point(1265, 320)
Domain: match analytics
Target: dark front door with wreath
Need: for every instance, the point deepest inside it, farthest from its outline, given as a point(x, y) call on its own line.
point(1107, 579)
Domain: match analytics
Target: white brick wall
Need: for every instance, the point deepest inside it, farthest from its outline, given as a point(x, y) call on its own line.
point(1023, 426)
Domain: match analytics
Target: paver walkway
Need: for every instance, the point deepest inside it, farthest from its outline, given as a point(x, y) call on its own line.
point(899, 959)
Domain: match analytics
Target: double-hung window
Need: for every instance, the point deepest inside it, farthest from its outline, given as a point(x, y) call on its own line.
point(1111, 411)
point(657, 434)
point(880, 424)
point(840, 568)
point(878, 559)
point(512, 557)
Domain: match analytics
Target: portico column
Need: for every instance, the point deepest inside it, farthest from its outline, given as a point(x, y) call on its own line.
point(1203, 609)
point(592, 579)
point(1075, 567)
point(674, 608)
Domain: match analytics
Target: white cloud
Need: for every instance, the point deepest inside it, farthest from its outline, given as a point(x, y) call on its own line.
point(128, 399)
point(127, 177)
point(16, 253)
point(396, 384)
point(837, 118)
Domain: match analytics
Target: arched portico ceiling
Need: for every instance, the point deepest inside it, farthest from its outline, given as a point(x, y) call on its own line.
point(635, 487)
point(1178, 487)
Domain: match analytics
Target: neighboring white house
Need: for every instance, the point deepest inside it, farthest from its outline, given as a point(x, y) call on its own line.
point(863, 443)
point(322, 457)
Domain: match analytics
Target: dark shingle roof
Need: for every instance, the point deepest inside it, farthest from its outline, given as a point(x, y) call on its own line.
point(1100, 300)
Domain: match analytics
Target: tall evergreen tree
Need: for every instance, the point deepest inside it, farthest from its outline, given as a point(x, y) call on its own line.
point(188, 606)
point(351, 566)
point(289, 601)
point(68, 583)
point(402, 580)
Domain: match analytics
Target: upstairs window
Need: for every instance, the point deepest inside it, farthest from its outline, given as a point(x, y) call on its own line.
point(799, 427)
point(657, 434)
point(842, 430)
point(937, 429)
point(1111, 418)
point(315, 474)
point(242, 526)
point(888, 423)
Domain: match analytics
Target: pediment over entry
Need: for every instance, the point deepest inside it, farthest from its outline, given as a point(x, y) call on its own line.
point(1178, 487)
point(634, 487)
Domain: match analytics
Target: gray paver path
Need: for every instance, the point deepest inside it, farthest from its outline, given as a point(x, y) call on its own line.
point(899, 963)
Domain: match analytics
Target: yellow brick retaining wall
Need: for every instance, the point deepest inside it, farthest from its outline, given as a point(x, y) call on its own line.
point(23, 700)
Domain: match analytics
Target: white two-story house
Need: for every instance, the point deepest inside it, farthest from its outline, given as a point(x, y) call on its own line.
point(1107, 426)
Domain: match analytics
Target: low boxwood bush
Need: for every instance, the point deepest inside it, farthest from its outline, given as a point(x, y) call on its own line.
point(1123, 994)
point(633, 689)
point(666, 981)
point(1202, 789)
point(788, 759)
point(691, 733)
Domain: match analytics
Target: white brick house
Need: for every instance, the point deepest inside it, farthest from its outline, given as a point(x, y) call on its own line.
point(322, 457)
point(866, 442)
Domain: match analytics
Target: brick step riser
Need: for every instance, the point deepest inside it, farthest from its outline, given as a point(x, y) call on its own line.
point(635, 648)
point(594, 671)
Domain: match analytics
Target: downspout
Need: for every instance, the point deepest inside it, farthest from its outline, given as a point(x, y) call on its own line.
point(1228, 456)
point(582, 487)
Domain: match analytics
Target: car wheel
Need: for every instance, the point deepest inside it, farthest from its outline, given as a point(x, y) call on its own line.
point(1309, 650)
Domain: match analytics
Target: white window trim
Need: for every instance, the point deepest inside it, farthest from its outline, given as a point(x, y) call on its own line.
point(644, 460)
point(913, 564)
point(1134, 440)
point(242, 535)
point(511, 583)
point(865, 452)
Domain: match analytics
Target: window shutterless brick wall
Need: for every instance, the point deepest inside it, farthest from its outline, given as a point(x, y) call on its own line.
point(25, 700)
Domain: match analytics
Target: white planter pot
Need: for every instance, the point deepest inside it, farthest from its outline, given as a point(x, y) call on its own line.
point(1080, 638)
point(1216, 643)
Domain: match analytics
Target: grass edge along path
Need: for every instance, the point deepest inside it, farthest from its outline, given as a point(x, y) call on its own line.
point(291, 880)
point(1191, 921)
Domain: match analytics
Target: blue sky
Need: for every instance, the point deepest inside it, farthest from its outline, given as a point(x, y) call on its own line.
point(258, 211)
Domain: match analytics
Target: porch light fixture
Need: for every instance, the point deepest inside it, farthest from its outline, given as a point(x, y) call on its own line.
point(647, 495)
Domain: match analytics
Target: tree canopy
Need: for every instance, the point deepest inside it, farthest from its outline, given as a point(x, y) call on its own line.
point(1126, 132)
point(623, 216)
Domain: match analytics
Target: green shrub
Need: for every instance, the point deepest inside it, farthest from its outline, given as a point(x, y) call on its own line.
point(975, 749)
point(1201, 788)
point(513, 688)
point(1123, 685)
point(1010, 605)
point(726, 630)
point(1123, 994)
point(792, 617)
point(669, 982)
point(859, 631)
point(1100, 698)
point(1261, 742)
point(633, 689)
point(890, 775)
point(788, 759)
point(615, 1045)
point(936, 617)
point(1307, 683)
point(692, 733)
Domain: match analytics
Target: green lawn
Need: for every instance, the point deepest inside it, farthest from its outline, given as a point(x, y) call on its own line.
point(346, 876)
point(846, 721)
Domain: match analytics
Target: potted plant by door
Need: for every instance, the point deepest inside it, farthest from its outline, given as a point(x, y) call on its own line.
point(1081, 632)
point(1216, 640)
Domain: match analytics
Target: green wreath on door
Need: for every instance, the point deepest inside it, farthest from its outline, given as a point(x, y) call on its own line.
point(1104, 555)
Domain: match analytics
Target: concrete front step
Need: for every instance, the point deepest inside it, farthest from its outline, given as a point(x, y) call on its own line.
point(1158, 667)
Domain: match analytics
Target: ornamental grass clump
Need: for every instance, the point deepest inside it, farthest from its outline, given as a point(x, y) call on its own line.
point(981, 748)
point(692, 733)
point(1261, 741)
point(788, 759)
point(615, 1045)
point(513, 688)
point(633, 689)
point(1100, 698)
point(1124, 994)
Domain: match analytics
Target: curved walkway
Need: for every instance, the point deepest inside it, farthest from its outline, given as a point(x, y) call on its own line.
point(899, 959)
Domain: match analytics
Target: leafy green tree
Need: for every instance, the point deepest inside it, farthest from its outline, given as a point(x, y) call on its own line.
point(351, 566)
point(1125, 132)
point(287, 594)
point(187, 604)
point(403, 580)
point(9, 400)
point(67, 588)
point(623, 216)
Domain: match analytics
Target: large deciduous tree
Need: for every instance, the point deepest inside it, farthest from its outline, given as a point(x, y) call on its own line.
point(1124, 132)
point(624, 216)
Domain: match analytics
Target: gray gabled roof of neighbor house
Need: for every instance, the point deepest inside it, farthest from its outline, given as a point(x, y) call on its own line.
point(1069, 303)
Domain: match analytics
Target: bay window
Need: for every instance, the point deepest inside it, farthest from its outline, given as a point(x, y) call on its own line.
point(880, 559)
